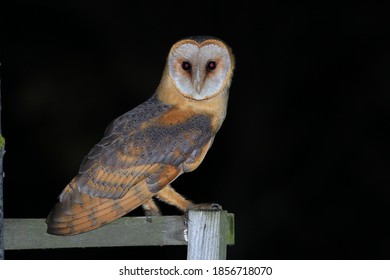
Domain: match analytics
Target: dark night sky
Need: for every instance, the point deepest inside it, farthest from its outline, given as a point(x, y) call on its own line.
point(302, 159)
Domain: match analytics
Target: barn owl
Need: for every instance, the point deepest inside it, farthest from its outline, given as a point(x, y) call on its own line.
point(146, 149)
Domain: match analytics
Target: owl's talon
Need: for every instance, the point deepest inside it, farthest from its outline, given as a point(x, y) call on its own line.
point(216, 206)
point(206, 206)
point(150, 209)
point(186, 219)
point(148, 216)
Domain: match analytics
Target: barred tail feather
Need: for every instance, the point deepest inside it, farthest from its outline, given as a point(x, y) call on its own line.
point(78, 213)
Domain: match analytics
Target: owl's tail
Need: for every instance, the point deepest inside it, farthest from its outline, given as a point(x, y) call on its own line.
point(78, 212)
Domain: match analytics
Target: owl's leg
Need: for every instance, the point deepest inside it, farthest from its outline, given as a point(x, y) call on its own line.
point(151, 209)
point(170, 196)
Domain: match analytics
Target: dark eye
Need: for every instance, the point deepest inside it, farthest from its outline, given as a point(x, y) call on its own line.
point(186, 66)
point(211, 65)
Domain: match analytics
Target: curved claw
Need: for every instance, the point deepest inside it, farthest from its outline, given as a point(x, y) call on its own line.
point(205, 206)
point(216, 206)
point(148, 216)
point(186, 219)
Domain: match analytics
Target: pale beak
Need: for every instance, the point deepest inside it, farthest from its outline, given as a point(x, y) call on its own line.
point(198, 80)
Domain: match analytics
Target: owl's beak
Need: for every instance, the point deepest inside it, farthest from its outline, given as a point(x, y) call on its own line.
point(198, 80)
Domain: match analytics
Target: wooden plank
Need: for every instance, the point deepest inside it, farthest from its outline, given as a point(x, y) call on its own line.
point(127, 231)
point(22, 234)
point(207, 235)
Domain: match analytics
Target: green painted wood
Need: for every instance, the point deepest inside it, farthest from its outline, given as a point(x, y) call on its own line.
point(22, 234)
point(127, 231)
point(231, 229)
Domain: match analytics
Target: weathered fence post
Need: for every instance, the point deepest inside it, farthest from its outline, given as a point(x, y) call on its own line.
point(208, 235)
point(2, 143)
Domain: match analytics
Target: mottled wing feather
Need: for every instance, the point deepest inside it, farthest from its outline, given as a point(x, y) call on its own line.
point(141, 152)
point(81, 212)
point(131, 151)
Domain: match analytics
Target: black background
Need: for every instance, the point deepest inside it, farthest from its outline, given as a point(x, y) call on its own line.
point(302, 158)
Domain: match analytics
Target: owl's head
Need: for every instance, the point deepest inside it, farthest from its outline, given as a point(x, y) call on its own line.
point(200, 67)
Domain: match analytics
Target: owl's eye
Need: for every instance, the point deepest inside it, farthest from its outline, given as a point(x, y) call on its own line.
point(186, 66)
point(211, 65)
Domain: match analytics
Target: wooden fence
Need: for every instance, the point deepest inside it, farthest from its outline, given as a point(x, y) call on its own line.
point(206, 235)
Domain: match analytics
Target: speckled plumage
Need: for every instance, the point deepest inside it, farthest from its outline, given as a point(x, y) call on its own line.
point(142, 152)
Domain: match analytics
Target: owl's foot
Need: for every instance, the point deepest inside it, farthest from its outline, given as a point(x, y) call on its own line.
point(149, 214)
point(201, 206)
point(205, 206)
point(150, 209)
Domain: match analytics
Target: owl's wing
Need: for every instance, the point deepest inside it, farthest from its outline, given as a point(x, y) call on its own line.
point(140, 154)
point(141, 146)
point(78, 212)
